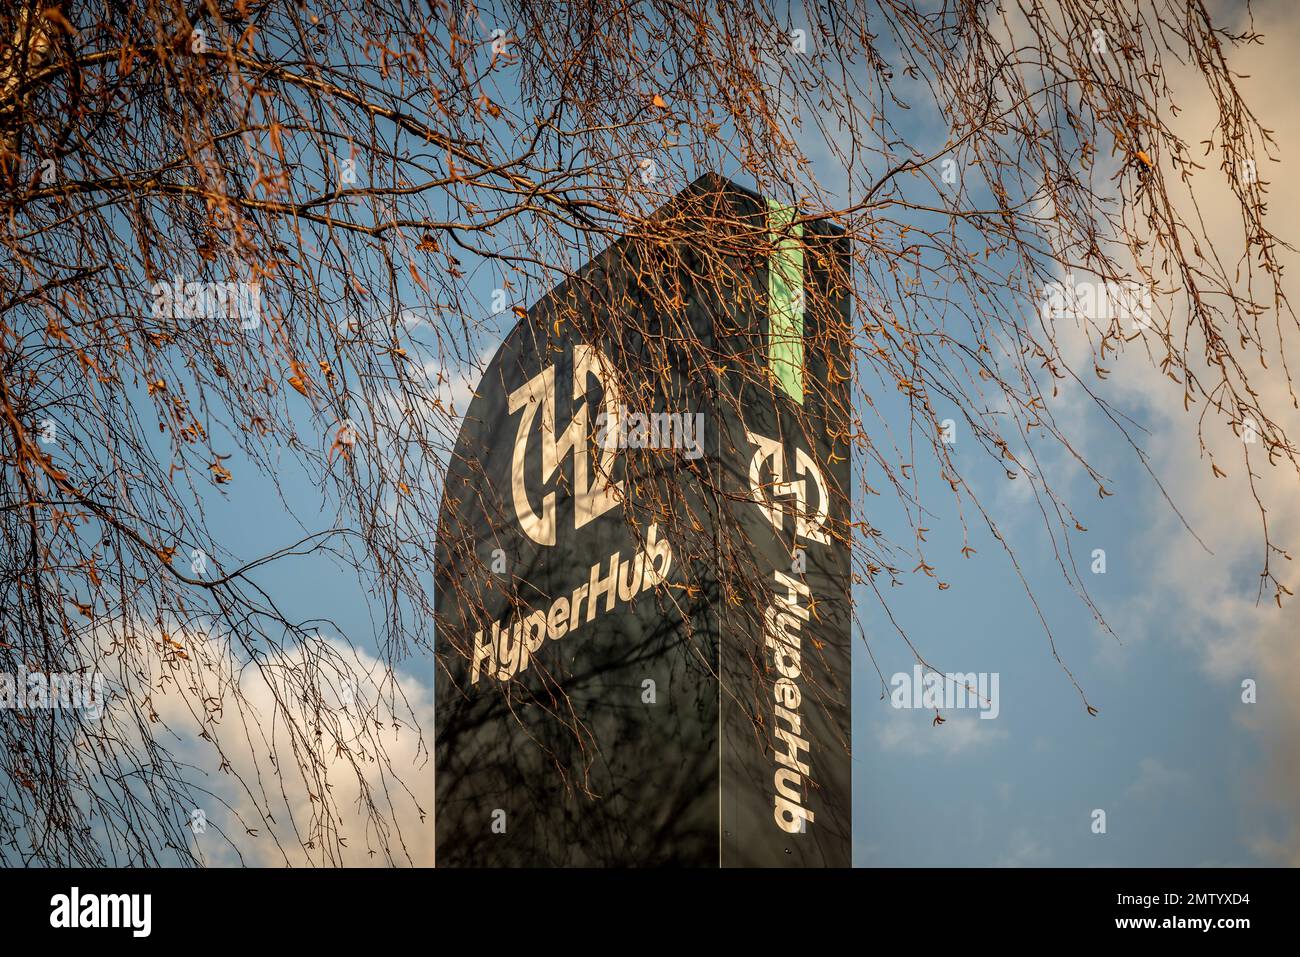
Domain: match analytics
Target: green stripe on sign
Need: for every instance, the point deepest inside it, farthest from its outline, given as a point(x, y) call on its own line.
point(785, 299)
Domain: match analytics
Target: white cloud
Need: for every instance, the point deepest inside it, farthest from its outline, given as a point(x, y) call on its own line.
point(1154, 780)
point(912, 731)
point(367, 796)
point(1024, 851)
point(455, 384)
point(1204, 603)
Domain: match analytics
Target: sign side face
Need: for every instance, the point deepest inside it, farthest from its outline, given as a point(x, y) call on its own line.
point(576, 695)
point(784, 455)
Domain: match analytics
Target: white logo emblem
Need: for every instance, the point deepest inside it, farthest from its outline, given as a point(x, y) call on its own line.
point(809, 524)
point(593, 492)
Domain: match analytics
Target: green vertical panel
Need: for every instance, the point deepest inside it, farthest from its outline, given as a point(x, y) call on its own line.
point(785, 302)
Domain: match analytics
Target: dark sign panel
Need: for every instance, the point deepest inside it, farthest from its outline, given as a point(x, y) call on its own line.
point(643, 564)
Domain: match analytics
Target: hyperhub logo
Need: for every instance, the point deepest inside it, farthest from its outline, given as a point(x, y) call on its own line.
point(616, 429)
point(593, 494)
point(786, 617)
point(506, 648)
